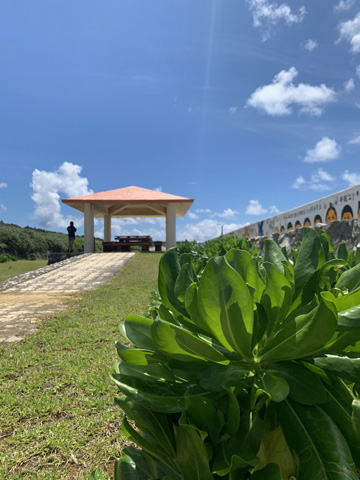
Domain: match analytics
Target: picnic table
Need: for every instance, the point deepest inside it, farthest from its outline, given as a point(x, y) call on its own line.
point(124, 243)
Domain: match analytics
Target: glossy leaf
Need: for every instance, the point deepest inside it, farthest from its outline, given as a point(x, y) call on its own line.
point(317, 442)
point(341, 251)
point(238, 259)
point(226, 306)
point(157, 403)
point(179, 343)
point(96, 475)
point(138, 331)
point(276, 387)
point(350, 280)
point(276, 297)
point(192, 462)
point(340, 412)
point(302, 337)
point(344, 367)
point(308, 259)
point(169, 269)
point(185, 278)
point(137, 356)
point(274, 255)
point(305, 387)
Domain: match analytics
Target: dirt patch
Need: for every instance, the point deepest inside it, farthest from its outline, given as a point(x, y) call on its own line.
point(21, 311)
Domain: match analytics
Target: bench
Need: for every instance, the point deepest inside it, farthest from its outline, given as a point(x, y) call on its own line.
point(124, 243)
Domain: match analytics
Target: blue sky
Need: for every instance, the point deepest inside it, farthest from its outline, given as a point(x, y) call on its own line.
point(250, 107)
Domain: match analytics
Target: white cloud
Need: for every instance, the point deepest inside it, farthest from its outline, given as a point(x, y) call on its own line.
point(274, 210)
point(158, 189)
point(205, 230)
point(277, 98)
point(358, 70)
point(2, 207)
point(351, 178)
point(192, 215)
point(350, 31)
point(310, 44)
point(227, 213)
point(325, 150)
point(255, 208)
point(316, 181)
point(267, 14)
point(233, 109)
point(344, 5)
point(355, 140)
point(3, 185)
point(349, 85)
point(46, 187)
point(203, 210)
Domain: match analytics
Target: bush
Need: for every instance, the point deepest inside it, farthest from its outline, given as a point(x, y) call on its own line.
point(5, 257)
point(245, 370)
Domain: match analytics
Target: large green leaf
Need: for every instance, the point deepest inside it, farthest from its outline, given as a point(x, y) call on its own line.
point(185, 278)
point(226, 306)
point(340, 411)
point(274, 449)
point(191, 457)
point(154, 372)
point(137, 356)
point(158, 403)
point(302, 337)
point(305, 386)
point(276, 297)
point(96, 475)
point(308, 259)
point(350, 280)
point(274, 255)
point(216, 377)
point(322, 452)
point(169, 269)
point(138, 331)
point(238, 259)
point(344, 367)
point(179, 343)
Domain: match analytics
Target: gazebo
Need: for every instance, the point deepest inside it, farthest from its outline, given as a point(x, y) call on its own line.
point(128, 202)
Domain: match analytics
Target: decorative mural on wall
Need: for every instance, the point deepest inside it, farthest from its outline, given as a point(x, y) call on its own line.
point(344, 205)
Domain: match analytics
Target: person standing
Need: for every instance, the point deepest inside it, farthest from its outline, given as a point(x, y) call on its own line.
point(71, 234)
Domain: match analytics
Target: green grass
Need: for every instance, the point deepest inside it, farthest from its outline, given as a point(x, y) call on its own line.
point(57, 415)
point(11, 269)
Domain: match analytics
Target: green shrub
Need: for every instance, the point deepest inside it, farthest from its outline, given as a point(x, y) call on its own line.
point(5, 257)
point(32, 256)
point(245, 370)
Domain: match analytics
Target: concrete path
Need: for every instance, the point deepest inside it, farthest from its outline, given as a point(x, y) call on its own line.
point(24, 303)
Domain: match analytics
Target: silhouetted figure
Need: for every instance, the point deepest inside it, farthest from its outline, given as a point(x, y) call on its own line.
point(71, 233)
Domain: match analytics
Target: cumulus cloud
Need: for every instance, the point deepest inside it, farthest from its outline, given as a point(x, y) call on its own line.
point(227, 213)
point(344, 5)
point(319, 181)
point(277, 98)
point(158, 189)
point(310, 44)
point(358, 70)
point(255, 208)
point(274, 210)
point(351, 178)
point(3, 185)
point(266, 15)
point(350, 31)
point(203, 210)
point(3, 207)
point(233, 109)
point(325, 150)
point(355, 140)
point(349, 85)
point(46, 187)
point(192, 215)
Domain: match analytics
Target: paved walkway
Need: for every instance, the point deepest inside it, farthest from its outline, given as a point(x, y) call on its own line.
point(24, 303)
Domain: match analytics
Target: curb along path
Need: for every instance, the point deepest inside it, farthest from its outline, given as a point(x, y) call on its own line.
point(27, 298)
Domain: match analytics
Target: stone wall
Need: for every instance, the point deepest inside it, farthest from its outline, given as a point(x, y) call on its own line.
point(347, 232)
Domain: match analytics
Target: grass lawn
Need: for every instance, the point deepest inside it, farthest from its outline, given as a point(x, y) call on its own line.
point(57, 415)
point(11, 269)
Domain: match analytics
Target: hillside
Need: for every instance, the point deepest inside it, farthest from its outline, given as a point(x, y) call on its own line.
point(24, 242)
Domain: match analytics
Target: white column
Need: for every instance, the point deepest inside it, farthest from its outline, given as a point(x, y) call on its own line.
point(107, 228)
point(88, 228)
point(170, 226)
